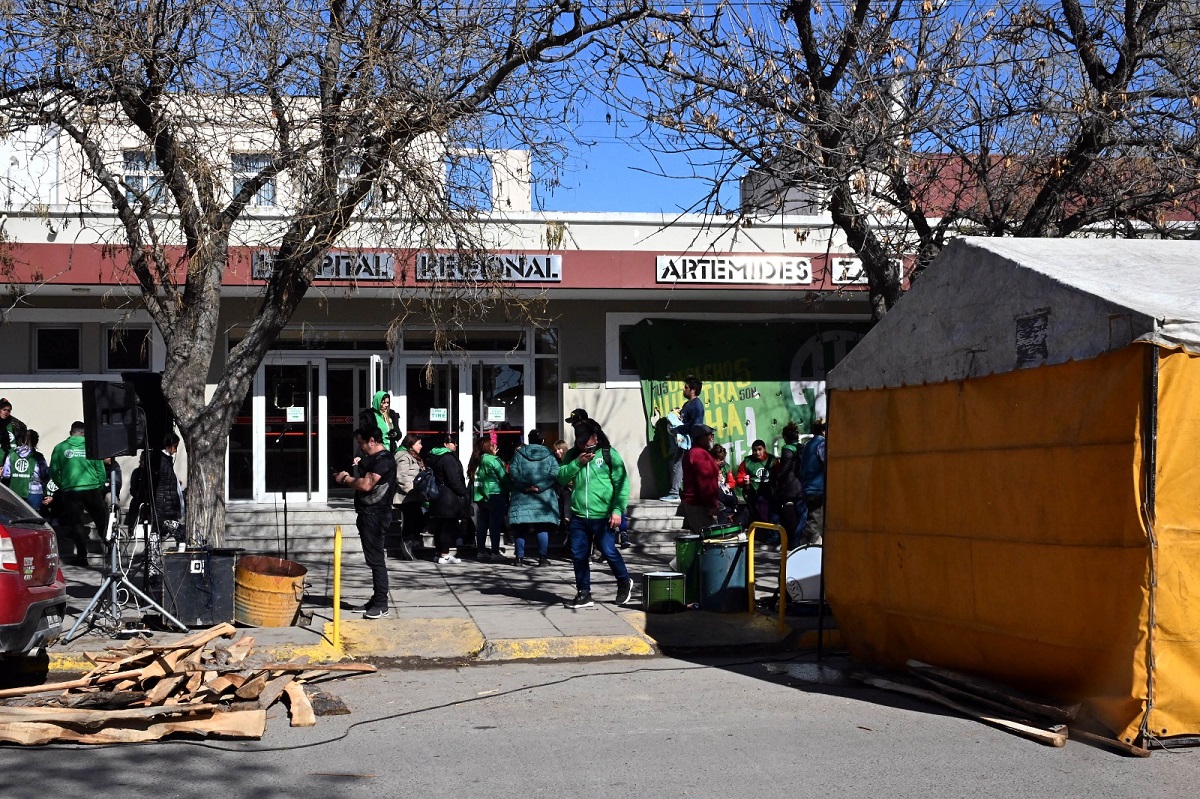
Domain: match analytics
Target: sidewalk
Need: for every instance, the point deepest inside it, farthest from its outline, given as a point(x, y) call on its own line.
point(483, 612)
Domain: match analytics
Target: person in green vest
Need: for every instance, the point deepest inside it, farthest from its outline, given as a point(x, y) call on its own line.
point(25, 470)
point(754, 480)
point(78, 486)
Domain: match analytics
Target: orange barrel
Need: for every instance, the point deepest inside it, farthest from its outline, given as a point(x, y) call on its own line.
point(267, 591)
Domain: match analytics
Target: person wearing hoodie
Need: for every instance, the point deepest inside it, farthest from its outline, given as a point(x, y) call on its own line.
point(533, 501)
point(598, 502)
point(78, 486)
point(26, 472)
point(452, 500)
point(381, 415)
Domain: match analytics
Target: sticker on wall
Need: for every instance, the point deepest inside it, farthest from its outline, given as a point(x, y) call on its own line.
point(295, 414)
point(438, 414)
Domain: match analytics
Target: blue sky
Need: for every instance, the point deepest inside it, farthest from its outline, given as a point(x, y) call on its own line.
point(616, 173)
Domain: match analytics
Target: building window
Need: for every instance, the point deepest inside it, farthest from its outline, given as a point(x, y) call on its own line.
point(245, 167)
point(56, 349)
point(142, 177)
point(628, 364)
point(127, 349)
point(469, 183)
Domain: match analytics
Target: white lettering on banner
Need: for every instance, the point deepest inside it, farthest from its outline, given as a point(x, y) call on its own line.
point(338, 266)
point(506, 267)
point(847, 272)
point(779, 270)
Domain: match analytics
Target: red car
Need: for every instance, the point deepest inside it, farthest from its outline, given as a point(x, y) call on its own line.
point(33, 592)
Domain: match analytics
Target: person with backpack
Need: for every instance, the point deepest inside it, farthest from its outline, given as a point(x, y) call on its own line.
point(786, 490)
point(79, 483)
point(412, 500)
point(690, 415)
point(598, 503)
point(452, 499)
point(533, 505)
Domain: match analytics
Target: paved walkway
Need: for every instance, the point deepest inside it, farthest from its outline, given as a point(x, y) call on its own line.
point(483, 612)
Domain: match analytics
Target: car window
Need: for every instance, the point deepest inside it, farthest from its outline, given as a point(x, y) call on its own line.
point(13, 507)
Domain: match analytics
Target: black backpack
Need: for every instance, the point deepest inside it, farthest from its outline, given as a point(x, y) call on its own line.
point(425, 485)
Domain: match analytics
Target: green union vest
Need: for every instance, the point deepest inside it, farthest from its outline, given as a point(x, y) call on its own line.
point(20, 469)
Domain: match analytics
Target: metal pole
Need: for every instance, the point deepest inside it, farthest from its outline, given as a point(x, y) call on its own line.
point(337, 588)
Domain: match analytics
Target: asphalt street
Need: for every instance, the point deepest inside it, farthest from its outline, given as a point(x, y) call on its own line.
point(614, 728)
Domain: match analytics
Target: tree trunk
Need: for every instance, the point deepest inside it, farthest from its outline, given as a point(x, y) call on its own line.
point(207, 442)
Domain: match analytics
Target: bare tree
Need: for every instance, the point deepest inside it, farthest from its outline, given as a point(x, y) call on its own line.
point(910, 121)
point(345, 109)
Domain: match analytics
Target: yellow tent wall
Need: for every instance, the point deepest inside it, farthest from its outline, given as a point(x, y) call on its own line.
point(1175, 709)
point(994, 525)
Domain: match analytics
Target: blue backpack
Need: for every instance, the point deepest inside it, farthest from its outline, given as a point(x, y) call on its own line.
point(425, 485)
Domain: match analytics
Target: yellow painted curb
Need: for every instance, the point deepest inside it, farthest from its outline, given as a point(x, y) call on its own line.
point(579, 646)
point(412, 639)
point(72, 662)
point(320, 652)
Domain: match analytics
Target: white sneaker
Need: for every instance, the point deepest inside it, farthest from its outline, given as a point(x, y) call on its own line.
point(448, 559)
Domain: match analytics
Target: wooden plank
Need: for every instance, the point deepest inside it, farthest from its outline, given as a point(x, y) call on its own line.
point(240, 648)
point(223, 630)
point(85, 717)
point(82, 682)
point(163, 688)
point(354, 668)
point(997, 692)
point(1109, 743)
point(1052, 738)
point(958, 693)
point(273, 690)
point(254, 686)
point(234, 724)
point(298, 705)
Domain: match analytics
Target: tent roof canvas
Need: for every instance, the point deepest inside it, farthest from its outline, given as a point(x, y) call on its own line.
point(990, 305)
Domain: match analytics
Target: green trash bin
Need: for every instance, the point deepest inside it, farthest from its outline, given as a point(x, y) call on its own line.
point(687, 561)
point(723, 577)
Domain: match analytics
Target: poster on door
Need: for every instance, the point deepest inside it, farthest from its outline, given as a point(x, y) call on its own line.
point(757, 376)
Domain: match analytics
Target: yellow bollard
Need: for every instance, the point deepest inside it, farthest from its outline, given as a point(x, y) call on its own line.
point(783, 551)
point(337, 588)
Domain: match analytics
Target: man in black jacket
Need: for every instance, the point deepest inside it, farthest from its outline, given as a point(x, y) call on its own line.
point(373, 491)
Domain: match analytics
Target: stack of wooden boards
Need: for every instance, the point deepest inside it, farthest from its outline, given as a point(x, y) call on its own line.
point(143, 692)
point(998, 705)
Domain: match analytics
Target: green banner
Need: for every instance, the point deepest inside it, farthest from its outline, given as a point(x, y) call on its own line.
point(757, 377)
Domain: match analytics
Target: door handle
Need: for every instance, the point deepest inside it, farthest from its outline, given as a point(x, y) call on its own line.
point(461, 423)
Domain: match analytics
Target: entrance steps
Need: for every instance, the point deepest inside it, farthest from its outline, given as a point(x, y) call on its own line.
point(259, 528)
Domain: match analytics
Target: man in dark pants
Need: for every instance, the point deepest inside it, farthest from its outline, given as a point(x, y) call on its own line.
point(79, 485)
point(812, 479)
point(373, 492)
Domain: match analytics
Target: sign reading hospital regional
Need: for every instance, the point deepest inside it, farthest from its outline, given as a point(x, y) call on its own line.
point(507, 267)
point(338, 266)
point(748, 270)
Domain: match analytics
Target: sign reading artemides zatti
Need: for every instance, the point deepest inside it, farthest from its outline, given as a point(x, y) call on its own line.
point(737, 269)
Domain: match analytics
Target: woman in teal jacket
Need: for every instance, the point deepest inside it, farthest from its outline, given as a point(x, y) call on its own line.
point(381, 415)
point(533, 501)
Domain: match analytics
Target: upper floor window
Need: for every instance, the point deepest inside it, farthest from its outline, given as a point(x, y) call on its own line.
point(57, 349)
point(245, 167)
point(142, 176)
point(127, 349)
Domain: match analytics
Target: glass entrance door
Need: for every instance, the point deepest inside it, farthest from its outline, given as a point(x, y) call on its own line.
point(433, 401)
point(499, 404)
point(293, 438)
point(349, 392)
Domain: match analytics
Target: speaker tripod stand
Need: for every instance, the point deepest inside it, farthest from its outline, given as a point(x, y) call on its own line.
point(104, 610)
